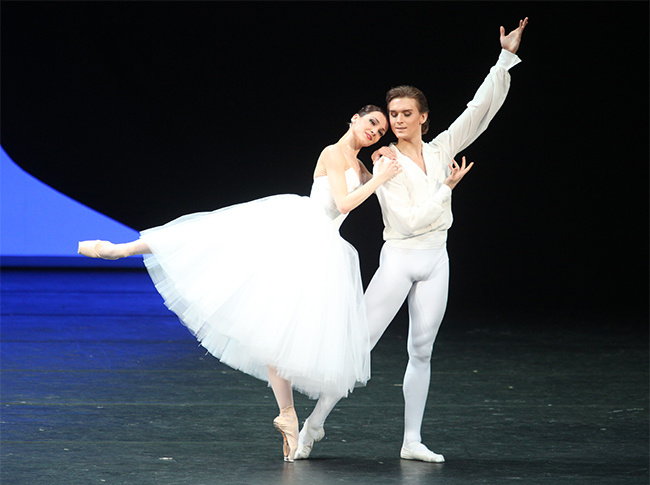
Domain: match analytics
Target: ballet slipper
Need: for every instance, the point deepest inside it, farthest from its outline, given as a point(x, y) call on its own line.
point(308, 436)
point(287, 424)
point(103, 250)
point(417, 451)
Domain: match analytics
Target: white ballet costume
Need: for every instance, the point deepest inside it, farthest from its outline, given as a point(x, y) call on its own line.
point(269, 282)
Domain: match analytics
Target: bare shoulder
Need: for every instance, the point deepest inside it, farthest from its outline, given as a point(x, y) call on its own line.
point(330, 151)
point(327, 158)
point(332, 155)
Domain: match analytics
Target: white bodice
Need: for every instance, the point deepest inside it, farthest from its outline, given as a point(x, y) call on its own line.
point(321, 193)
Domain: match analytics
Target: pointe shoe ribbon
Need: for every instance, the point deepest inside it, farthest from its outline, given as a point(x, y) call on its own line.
point(418, 451)
point(287, 424)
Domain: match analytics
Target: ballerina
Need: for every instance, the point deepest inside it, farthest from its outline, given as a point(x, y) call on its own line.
point(270, 287)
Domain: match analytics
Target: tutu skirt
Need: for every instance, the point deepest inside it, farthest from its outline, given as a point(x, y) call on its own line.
point(267, 282)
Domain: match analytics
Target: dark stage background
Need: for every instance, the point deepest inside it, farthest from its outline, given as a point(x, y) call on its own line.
point(148, 110)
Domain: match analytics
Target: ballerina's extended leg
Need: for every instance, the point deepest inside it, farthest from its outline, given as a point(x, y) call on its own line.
point(108, 250)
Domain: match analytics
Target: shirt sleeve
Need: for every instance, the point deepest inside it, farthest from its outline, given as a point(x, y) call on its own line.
point(480, 110)
point(403, 216)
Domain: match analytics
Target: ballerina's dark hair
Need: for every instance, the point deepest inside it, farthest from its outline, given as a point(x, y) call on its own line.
point(413, 93)
point(371, 108)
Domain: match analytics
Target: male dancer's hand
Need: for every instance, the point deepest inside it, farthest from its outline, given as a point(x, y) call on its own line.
point(457, 173)
point(511, 41)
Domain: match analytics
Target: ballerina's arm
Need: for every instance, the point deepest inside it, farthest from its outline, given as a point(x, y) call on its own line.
point(333, 159)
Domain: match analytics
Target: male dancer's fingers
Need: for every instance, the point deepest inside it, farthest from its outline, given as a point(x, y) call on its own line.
point(468, 168)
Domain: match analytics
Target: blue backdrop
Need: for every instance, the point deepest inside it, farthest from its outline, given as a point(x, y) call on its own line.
point(36, 220)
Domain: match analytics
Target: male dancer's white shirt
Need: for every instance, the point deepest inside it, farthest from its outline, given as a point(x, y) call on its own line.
point(416, 207)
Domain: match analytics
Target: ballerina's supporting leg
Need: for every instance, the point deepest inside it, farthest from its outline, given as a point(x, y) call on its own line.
point(287, 422)
point(108, 250)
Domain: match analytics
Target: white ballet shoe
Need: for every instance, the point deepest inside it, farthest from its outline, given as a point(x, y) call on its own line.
point(103, 250)
point(417, 451)
point(306, 440)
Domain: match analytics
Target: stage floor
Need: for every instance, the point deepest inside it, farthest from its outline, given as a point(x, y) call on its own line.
point(101, 384)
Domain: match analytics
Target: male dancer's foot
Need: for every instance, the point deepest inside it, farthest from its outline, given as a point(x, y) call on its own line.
point(417, 451)
point(306, 439)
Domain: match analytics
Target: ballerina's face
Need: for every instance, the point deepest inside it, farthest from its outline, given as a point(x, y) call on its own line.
point(405, 118)
point(369, 128)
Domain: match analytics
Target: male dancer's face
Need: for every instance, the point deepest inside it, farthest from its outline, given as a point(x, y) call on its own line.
point(405, 118)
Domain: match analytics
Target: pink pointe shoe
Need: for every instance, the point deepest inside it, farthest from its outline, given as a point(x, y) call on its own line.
point(287, 424)
point(103, 250)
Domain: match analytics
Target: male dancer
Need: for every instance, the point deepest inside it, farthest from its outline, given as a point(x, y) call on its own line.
point(416, 209)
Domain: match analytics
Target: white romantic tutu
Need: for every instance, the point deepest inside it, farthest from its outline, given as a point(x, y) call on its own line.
point(268, 282)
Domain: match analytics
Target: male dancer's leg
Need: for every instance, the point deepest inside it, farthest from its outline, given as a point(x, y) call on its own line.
point(427, 303)
point(383, 298)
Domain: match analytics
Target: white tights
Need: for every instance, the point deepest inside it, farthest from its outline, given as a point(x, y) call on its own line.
point(423, 276)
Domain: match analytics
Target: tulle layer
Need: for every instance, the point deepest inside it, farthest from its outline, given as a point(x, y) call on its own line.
point(268, 282)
